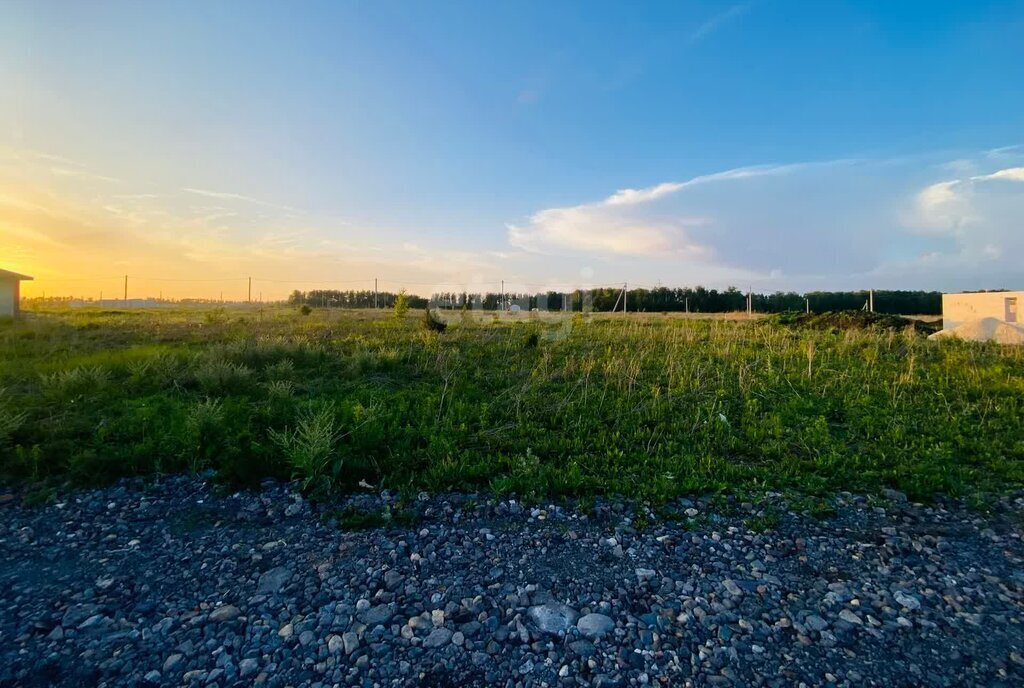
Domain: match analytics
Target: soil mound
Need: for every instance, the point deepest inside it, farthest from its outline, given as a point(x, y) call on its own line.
point(854, 320)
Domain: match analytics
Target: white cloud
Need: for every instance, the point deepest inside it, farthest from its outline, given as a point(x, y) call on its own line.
point(617, 225)
point(590, 228)
point(1015, 174)
point(981, 216)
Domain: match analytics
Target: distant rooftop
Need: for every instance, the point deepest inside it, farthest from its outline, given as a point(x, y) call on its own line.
point(8, 275)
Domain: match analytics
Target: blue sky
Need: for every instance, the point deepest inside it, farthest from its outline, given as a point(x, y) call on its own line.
point(769, 144)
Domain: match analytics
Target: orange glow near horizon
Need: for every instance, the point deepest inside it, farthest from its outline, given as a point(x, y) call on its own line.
point(79, 236)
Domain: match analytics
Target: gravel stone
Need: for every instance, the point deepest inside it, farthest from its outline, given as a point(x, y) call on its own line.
point(272, 581)
point(595, 625)
point(554, 618)
point(228, 612)
point(438, 637)
point(144, 583)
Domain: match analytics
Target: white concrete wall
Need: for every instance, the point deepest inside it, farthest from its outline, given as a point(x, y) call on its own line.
point(8, 298)
point(960, 308)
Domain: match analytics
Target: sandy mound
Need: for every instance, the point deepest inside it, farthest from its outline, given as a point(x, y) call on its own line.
point(984, 330)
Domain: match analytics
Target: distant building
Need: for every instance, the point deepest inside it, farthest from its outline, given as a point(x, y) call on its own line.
point(10, 293)
point(1005, 306)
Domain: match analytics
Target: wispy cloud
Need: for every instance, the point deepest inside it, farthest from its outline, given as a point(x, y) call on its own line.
point(653, 193)
point(714, 23)
point(227, 196)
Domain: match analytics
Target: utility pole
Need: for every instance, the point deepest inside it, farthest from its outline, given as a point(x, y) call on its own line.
point(502, 307)
point(871, 300)
point(250, 290)
point(375, 292)
point(687, 301)
point(126, 290)
point(625, 297)
point(807, 305)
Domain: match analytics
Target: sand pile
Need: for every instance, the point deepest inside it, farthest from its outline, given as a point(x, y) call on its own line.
point(984, 330)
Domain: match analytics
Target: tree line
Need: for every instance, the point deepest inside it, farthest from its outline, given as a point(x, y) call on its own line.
point(661, 299)
point(333, 298)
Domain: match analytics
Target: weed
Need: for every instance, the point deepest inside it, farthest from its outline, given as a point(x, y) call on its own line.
point(354, 518)
point(77, 381)
point(40, 495)
point(215, 375)
point(764, 522)
point(205, 430)
point(310, 448)
point(280, 389)
point(641, 521)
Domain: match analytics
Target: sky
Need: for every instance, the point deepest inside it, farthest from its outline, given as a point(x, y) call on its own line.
point(769, 144)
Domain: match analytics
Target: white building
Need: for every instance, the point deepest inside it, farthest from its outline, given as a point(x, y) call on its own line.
point(10, 293)
point(1005, 306)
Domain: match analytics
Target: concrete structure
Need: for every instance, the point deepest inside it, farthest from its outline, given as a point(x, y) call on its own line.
point(1005, 306)
point(10, 293)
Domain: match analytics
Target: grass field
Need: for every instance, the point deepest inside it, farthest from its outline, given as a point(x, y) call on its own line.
point(642, 405)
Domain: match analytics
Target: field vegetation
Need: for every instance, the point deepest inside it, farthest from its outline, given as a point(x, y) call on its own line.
point(641, 405)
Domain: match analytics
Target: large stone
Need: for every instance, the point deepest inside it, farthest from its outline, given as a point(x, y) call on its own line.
point(553, 618)
point(731, 587)
point(849, 617)
point(273, 580)
point(907, 601)
point(439, 637)
point(247, 667)
point(595, 625)
point(77, 614)
point(380, 614)
point(228, 612)
point(815, 623)
point(392, 579)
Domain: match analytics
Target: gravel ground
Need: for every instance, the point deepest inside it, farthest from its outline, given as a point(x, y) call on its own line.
point(175, 583)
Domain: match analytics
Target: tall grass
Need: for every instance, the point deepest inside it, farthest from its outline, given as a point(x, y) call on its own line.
point(641, 405)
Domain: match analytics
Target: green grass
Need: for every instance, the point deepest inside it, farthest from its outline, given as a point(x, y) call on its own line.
point(645, 406)
point(352, 518)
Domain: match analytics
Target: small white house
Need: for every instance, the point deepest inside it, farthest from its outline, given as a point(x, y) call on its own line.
point(1004, 306)
point(10, 293)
